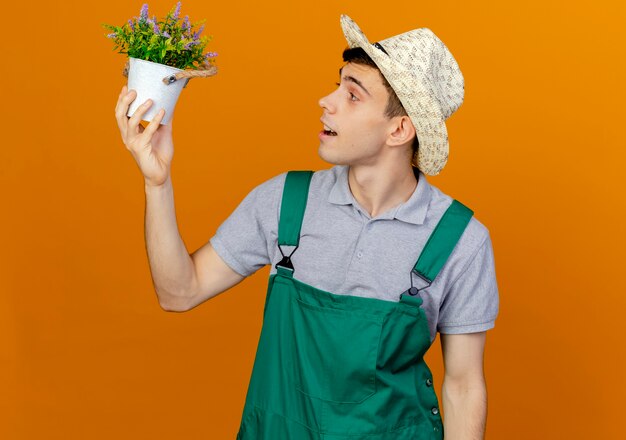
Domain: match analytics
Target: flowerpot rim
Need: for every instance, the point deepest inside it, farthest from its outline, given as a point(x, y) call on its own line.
point(160, 64)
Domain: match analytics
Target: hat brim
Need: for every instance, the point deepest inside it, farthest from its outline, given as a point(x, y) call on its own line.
point(421, 106)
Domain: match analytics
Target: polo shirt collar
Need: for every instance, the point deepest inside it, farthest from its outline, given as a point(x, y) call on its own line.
point(411, 211)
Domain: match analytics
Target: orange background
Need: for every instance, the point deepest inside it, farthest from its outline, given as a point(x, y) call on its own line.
point(537, 151)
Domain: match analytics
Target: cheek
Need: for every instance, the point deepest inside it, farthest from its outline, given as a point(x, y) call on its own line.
point(372, 130)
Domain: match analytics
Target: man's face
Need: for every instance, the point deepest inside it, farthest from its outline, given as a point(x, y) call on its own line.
point(355, 111)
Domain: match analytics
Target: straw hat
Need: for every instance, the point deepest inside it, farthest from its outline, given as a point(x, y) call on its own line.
point(428, 82)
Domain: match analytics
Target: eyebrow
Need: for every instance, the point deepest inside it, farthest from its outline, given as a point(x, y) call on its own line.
point(354, 80)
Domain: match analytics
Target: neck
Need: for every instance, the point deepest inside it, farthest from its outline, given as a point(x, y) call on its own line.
point(378, 189)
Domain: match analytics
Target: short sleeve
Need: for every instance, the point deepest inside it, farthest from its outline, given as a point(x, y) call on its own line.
point(243, 240)
point(472, 302)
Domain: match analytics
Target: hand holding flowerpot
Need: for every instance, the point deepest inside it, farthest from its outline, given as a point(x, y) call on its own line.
point(163, 55)
point(153, 146)
point(145, 77)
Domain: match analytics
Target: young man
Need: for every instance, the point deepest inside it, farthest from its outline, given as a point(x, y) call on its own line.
point(349, 313)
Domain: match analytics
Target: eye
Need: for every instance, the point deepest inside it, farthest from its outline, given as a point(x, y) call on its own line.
point(351, 94)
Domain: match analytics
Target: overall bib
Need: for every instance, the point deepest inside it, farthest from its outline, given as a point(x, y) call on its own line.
point(331, 366)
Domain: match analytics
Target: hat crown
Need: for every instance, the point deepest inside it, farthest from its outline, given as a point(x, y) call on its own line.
point(423, 55)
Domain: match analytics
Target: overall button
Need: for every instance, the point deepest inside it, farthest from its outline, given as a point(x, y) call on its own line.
point(435, 411)
point(360, 254)
point(429, 382)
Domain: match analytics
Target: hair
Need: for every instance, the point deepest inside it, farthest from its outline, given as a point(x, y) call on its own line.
point(394, 107)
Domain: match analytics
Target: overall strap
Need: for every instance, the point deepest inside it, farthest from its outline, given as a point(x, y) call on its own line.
point(442, 240)
point(293, 205)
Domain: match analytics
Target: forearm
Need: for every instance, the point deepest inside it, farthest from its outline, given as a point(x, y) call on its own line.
point(465, 410)
point(170, 264)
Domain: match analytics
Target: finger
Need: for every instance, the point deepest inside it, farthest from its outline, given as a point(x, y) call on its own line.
point(121, 109)
point(124, 99)
point(121, 95)
point(134, 120)
point(155, 123)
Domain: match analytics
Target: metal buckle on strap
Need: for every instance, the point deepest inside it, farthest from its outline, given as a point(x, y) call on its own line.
point(412, 291)
point(286, 261)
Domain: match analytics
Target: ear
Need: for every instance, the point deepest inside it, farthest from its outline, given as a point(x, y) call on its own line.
point(403, 131)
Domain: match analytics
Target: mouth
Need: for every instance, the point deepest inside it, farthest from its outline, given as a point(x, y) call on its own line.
point(327, 131)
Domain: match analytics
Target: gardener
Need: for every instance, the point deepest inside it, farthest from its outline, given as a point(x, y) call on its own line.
point(368, 259)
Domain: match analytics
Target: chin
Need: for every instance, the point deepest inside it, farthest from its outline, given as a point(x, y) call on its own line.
point(328, 156)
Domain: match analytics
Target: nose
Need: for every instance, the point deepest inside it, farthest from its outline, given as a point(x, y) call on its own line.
point(326, 103)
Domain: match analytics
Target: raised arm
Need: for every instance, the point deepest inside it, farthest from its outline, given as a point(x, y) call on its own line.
point(181, 281)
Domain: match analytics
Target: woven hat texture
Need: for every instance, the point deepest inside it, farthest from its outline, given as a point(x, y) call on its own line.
point(427, 80)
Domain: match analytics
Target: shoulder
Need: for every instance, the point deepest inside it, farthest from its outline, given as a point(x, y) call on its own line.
point(475, 232)
point(270, 186)
point(320, 179)
point(322, 182)
point(475, 236)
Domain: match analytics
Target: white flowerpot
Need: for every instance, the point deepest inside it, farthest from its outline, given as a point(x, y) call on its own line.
point(146, 78)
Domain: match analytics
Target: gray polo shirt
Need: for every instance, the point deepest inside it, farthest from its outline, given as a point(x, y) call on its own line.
point(344, 251)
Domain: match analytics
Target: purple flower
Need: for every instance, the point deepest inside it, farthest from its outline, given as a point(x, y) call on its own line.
point(112, 35)
point(177, 11)
point(144, 11)
point(210, 54)
point(185, 23)
point(155, 28)
point(191, 43)
point(131, 24)
point(166, 35)
point(195, 36)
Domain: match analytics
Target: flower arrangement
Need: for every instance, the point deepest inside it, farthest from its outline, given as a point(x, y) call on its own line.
point(172, 41)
